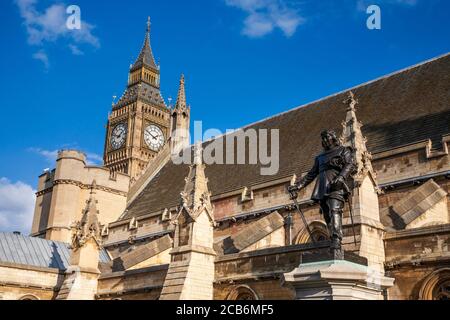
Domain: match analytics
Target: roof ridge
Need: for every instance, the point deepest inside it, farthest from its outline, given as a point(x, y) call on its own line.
point(308, 104)
point(387, 76)
point(421, 92)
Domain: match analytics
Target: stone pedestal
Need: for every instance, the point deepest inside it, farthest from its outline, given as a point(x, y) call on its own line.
point(337, 280)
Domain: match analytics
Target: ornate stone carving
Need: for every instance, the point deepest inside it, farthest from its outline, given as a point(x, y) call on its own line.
point(89, 226)
point(196, 197)
point(352, 137)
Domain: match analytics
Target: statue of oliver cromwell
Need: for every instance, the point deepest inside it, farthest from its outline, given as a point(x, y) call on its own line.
point(333, 169)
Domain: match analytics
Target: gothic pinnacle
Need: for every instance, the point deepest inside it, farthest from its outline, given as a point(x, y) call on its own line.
point(181, 99)
point(351, 101)
point(146, 55)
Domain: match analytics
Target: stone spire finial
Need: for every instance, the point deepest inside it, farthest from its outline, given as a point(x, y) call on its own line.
point(352, 137)
point(181, 98)
point(146, 55)
point(193, 250)
point(196, 195)
point(89, 226)
point(180, 121)
point(198, 153)
point(93, 187)
point(351, 101)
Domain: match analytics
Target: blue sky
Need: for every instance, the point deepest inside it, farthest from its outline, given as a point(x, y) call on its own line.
point(244, 60)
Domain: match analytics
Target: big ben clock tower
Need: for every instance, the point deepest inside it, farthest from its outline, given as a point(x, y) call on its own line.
point(139, 124)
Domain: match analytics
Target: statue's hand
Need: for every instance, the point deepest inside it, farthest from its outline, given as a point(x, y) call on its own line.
point(293, 190)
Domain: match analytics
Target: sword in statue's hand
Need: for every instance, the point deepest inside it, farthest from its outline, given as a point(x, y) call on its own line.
point(350, 206)
point(293, 193)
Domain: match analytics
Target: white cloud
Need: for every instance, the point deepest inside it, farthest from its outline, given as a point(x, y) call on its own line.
point(50, 156)
point(264, 16)
point(75, 50)
point(41, 55)
point(92, 159)
point(49, 26)
point(16, 206)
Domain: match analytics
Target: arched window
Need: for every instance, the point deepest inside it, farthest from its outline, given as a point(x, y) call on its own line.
point(443, 292)
point(29, 297)
point(242, 293)
point(319, 232)
point(436, 286)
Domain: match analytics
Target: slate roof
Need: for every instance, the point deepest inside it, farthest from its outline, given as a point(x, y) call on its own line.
point(399, 109)
point(142, 91)
point(37, 252)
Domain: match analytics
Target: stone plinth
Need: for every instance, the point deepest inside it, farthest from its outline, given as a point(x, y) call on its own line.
point(337, 280)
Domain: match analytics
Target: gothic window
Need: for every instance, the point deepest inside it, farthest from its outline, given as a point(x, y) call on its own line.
point(443, 291)
point(29, 297)
point(319, 232)
point(245, 296)
point(436, 286)
point(319, 235)
point(242, 293)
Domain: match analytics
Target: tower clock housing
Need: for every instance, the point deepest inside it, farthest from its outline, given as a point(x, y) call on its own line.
point(139, 124)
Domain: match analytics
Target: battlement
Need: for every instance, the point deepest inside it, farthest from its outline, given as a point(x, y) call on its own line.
point(71, 154)
point(62, 194)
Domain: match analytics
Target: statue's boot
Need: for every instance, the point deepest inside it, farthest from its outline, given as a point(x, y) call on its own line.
point(336, 235)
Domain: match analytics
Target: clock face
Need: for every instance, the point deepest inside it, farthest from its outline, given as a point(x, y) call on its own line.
point(154, 137)
point(118, 136)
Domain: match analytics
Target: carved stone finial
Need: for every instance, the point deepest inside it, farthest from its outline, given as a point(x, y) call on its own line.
point(89, 226)
point(93, 187)
point(196, 197)
point(352, 136)
point(181, 104)
point(351, 101)
point(198, 153)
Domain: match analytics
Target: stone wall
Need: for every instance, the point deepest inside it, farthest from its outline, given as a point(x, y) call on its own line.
point(142, 284)
point(25, 282)
point(62, 196)
point(412, 255)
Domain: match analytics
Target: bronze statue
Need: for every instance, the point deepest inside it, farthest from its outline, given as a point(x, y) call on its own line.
point(333, 168)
